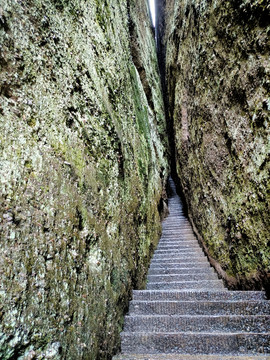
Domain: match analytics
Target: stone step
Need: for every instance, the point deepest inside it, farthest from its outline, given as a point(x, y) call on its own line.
point(200, 285)
point(178, 238)
point(178, 241)
point(176, 252)
point(175, 200)
point(180, 226)
point(148, 295)
point(175, 206)
point(181, 259)
point(176, 214)
point(188, 265)
point(178, 245)
point(180, 217)
point(188, 357)
point(180, 256)
point(177, 231)
point(182, 271)
point(176, 220)
point(171, 248)
point(181, 277)
point(178, 235)
point(199, 308)
point(174, 210)
point(199, 323)
point(178, 249)
point(173, 244)
point(177, 225)
point(195, 343)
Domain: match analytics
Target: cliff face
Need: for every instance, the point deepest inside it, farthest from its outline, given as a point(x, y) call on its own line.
point(217, 69)
point(82, 170)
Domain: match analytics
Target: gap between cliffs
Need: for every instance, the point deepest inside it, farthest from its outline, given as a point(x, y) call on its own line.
point(244, 267)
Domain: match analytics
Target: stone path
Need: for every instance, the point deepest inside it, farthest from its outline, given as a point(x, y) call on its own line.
point(186, 313)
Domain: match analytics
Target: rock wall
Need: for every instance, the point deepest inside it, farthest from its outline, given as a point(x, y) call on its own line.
point(82, 172)
point(216, 55)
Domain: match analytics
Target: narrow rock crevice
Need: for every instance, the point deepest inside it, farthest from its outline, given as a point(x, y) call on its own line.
point(214, 76)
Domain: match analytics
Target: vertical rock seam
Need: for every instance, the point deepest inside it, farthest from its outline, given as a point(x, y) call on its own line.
point(186, 313)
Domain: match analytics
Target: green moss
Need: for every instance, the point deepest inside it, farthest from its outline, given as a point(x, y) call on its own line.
point(82, 170)
point(218, 100)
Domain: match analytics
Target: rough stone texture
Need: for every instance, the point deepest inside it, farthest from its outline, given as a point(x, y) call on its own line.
point(217, 72)
point(82, 171)
point(188, 357)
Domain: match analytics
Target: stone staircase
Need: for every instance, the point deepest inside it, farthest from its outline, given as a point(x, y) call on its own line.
point(186, 312)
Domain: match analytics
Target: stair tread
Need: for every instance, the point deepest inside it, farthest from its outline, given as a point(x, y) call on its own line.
point(180, 333)
point(195, 307)
point(188, 282)
point(178, 278)
point(202, 295)
point(250, 302)
point(184, 316)
point(188, 357)
point(196, 343)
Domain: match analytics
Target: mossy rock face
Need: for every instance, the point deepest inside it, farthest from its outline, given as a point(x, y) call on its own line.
point(217, 71)
point(82, 169)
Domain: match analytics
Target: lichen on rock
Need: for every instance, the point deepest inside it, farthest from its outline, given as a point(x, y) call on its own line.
point(216, 55)
point(82, 170)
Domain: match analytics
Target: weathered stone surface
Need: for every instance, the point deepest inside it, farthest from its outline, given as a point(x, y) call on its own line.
point(82, 170)
point(217, 69)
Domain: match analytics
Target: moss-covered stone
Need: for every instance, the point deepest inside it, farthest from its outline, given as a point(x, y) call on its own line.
point(217, 68)
point(82, 169)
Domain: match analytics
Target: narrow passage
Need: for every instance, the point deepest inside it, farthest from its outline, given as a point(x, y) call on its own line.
point(186, 312)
